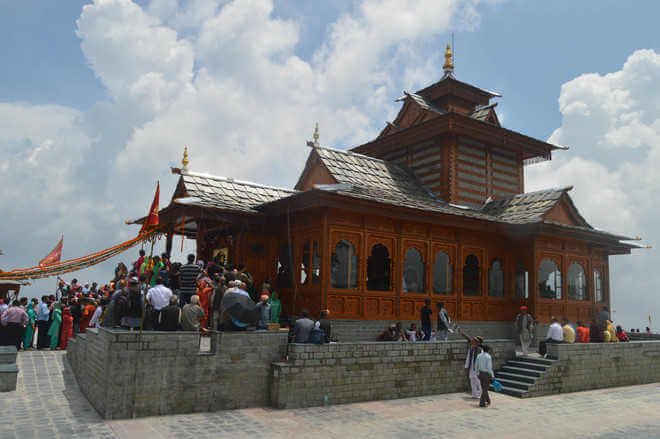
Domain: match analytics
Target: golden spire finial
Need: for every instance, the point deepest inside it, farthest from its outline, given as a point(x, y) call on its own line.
point(185, 161)
point(316, 134)
point(449, 60)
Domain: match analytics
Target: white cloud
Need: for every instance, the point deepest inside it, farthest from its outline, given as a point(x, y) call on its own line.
point(612, 124)
point(222, 77)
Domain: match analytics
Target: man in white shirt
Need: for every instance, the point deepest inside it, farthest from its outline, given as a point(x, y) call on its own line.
point(159, 298)
point(555, 335)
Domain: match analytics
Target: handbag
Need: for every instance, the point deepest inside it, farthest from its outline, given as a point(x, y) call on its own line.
point(497, 386)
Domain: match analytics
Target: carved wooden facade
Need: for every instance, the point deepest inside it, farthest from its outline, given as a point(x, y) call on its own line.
point(371, 233)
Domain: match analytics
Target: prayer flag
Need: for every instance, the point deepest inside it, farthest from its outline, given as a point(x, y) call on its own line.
point(54, 256)
point(152, 218)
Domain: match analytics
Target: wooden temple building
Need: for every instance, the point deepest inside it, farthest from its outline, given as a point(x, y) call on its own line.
point(434, 208)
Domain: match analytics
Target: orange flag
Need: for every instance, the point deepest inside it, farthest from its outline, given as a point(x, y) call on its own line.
point(152, 219)
point(54, 256)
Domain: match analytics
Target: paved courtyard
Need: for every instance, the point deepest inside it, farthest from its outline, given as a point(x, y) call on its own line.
point(48, 404)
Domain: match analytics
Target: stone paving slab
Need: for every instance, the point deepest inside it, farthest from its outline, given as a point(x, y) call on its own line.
point(48, 404)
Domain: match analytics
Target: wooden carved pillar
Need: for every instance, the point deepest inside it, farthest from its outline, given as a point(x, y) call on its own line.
point(533, 282)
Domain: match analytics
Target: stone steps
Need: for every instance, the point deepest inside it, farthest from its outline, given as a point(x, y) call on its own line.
point(517, 376)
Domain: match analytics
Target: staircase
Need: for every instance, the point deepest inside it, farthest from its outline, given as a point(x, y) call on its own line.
point(518, 376)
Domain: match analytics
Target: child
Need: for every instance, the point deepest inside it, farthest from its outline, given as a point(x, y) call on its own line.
point(484, 368)
point(411, 333)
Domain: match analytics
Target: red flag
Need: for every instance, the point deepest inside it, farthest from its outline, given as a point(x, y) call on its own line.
point(54, 256)
point(152, 219)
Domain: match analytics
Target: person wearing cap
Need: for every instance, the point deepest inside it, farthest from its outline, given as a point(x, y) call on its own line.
point(555, 335)
point(524, 324)
point(238, 288)
point(473, 350)
point(264, 312)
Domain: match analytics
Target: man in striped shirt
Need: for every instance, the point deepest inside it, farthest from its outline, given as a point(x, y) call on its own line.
point(188, 275)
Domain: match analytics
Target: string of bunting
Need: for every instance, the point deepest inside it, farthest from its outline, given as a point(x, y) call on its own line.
point(79, 263)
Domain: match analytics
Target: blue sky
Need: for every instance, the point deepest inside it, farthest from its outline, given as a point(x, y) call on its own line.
point(123, 86)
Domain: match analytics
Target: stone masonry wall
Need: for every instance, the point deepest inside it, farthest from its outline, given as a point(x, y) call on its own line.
point(352, 372)
point(586, 366)
point(167, 373)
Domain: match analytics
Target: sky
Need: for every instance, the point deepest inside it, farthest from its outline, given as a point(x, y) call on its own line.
point(98, 98)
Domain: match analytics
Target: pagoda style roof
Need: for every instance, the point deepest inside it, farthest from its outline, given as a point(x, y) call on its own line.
point(374, 180)
point(531, 206)
point(225, 193)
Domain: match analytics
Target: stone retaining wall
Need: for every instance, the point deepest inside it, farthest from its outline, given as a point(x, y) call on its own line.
point(167, 373)
point(587, 366)
point(352, 372)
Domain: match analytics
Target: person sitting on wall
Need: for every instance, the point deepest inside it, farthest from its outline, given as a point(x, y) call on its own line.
point(582, 333)
point(555, 335)
point(169, 318)
point(411, 333)
point(621, 334)
point(612, 332)
point(326, 326)
point(400, 333)
point(302, 330)
point(192, 315)
point(567, 331)
point(390, 334)
point(648, 330)
point(595, 332)
point(318, 336)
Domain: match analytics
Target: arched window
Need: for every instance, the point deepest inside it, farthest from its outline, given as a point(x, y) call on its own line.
point(549, 280)
point(496, 279)
point(284, 278)
point(378, 268)
point(598, 286)
point(413, 272)
point(316, 264)
point(443, 273)
point(577, 282)
point(471, 276)
point(522, 282)
point(305, 263)
point(344, 266)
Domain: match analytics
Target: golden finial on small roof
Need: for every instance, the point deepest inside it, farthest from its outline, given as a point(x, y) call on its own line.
point(449, 60)
point(316, 134)
point(185, 161)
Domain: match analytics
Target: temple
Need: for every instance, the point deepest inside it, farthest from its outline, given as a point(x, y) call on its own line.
point(434, 208)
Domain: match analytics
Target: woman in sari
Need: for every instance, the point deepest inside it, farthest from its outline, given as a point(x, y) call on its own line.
point(67, 328)
point(31, 326)
point(54, 330)
point(204, 291)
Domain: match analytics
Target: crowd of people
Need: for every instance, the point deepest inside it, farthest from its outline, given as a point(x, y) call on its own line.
point(152, 293)
point(600, 330)
point(396, 332)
